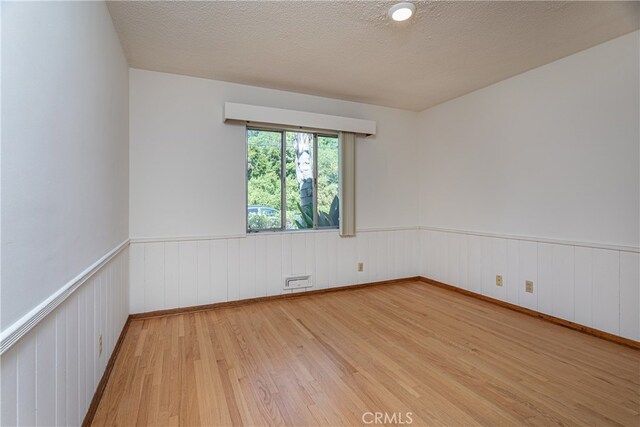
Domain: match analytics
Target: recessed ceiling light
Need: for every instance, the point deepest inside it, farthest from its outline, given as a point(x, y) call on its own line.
point(402, 11)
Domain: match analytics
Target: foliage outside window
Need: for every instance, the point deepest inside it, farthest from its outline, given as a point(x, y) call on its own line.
point(292, 180)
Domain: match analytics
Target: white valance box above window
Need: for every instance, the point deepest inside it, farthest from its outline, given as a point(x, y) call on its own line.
point(279, 120)
point(299, 119)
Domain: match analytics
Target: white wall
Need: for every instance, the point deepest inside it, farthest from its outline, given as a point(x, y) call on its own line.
point(64, 205)
point(64, 147)
point(188, 167)
point(551, 153)
point(188, 180)
point(538, 178)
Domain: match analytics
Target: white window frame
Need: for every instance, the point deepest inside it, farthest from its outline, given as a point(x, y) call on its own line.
point(283, 188)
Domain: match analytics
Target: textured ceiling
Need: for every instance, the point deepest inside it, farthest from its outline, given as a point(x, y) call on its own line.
point(352, 51)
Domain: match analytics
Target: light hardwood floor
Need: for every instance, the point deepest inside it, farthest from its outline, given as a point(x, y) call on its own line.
point(328, 359)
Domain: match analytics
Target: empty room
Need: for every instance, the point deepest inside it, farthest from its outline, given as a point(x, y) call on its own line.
point(320, 213)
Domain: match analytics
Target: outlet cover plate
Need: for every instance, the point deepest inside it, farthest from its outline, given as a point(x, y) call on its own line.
point(528, 286)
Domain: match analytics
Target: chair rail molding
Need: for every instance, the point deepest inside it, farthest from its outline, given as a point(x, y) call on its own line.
point(623, 248)
point(261, 233)
point(21, 327)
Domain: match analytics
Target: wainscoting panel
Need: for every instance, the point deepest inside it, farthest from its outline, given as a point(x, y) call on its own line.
point(629, 294)
point(606, 290)
point(593, 286)
point(583, 285)
point(50, 374)
point(475, 260)
point(176, 274)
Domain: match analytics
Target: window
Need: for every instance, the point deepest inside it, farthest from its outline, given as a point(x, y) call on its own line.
point(292, 180)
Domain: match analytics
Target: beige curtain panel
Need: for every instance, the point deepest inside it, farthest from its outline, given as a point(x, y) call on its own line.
point(347, 162)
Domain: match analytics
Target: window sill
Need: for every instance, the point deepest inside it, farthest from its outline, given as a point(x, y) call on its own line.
point(302, 231)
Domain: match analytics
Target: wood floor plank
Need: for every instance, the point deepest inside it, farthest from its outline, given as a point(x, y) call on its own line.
point(327, 359)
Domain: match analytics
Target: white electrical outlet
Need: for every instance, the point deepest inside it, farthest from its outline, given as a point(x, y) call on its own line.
point(528, 286)
point(360, 267)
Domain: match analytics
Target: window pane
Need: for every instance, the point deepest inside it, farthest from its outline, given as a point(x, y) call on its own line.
point(299, 183)
point(264, 170)
point(328, 210)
